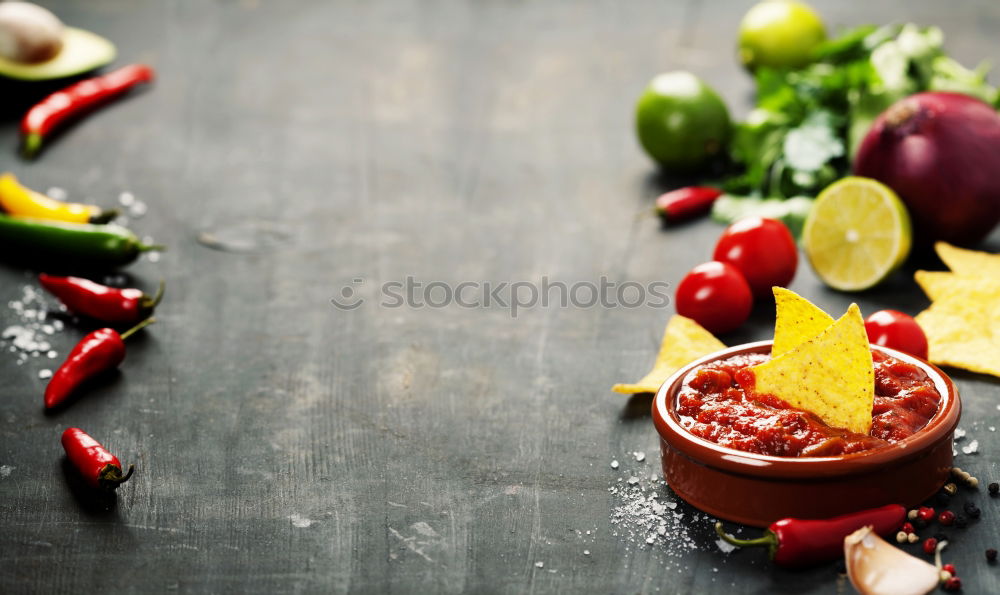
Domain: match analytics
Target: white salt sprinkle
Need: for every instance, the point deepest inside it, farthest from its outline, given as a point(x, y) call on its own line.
point(46, 373)
point(971, 448)
point(614, 464)
point(959, 433)
point(643, 515)
point(56, 193)
point(539, 564)
point(725, 546)
point(640, 456)
point(30, 333)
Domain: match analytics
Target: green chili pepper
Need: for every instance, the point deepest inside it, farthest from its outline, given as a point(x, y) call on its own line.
point(97, 246)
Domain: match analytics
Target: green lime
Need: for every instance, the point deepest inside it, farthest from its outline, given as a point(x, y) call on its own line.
point(780, 34)
point(681, 121)
point(857, 234)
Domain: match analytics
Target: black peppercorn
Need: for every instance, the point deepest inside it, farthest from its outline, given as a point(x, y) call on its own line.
point(972, 510)
point(994, 488)
point(961, 521)
point(991, 555)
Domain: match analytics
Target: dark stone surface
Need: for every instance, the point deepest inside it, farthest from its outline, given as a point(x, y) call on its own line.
point(427, 449)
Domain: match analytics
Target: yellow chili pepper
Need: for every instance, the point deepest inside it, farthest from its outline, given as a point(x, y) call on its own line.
point(20, 201)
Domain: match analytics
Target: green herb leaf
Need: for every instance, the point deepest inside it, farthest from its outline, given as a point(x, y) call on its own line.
point(792, 212)
point(814, 143)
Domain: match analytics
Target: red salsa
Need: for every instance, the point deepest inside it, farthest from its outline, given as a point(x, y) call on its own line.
point(718, 404)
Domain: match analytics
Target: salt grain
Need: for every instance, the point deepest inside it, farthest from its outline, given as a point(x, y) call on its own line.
point(643, 514)
point(539, 564)
point(56, 193)
point(614, 464)
point(586, 552)
point(724, 546)
point(28, 337)
point(126, 199)
point(43, 374)
point(971, 448)
point(640, 456)
point(959, 433)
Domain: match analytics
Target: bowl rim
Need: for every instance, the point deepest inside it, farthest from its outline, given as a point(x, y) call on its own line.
point(939, 427)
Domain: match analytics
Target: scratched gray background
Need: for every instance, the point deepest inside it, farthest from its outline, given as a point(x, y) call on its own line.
point(285, 446)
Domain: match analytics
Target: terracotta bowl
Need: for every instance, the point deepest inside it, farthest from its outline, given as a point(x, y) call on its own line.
point(758, 489)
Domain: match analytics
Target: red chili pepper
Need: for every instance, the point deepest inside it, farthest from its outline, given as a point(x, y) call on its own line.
point(686, 203)
point(99, 351)
point(802, 542)
point(99, 468)
point(75, 100)
point(107, 304)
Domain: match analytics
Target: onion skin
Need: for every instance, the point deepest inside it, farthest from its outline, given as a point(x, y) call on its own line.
point(941, 153)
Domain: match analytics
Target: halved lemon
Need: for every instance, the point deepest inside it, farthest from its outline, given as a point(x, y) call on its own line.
point(857, 233)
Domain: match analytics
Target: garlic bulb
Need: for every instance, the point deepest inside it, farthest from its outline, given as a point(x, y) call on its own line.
point(877, 568)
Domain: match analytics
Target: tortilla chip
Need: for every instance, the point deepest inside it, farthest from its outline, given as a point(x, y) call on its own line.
point(963, 331)
point(969, 262)
point(831, 375)
point(684, 341)
point(942, 285)
point(796, 321)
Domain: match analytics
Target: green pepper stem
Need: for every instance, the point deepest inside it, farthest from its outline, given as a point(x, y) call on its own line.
point(105, 216)
point(32, 143)
point(137, 328)
point(111, 476)
point(149, 303)
point(768, 540)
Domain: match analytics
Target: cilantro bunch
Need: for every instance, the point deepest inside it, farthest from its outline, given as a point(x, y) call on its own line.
point(808, 123)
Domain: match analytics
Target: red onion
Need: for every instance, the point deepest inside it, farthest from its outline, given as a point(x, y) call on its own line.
point(941, 153)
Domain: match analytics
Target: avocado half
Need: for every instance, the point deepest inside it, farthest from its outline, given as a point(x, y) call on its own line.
point(82, 52)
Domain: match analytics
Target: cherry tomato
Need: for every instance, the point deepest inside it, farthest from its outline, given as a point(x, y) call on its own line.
point(891, 328)
point(715, 295)
point(762, 249)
